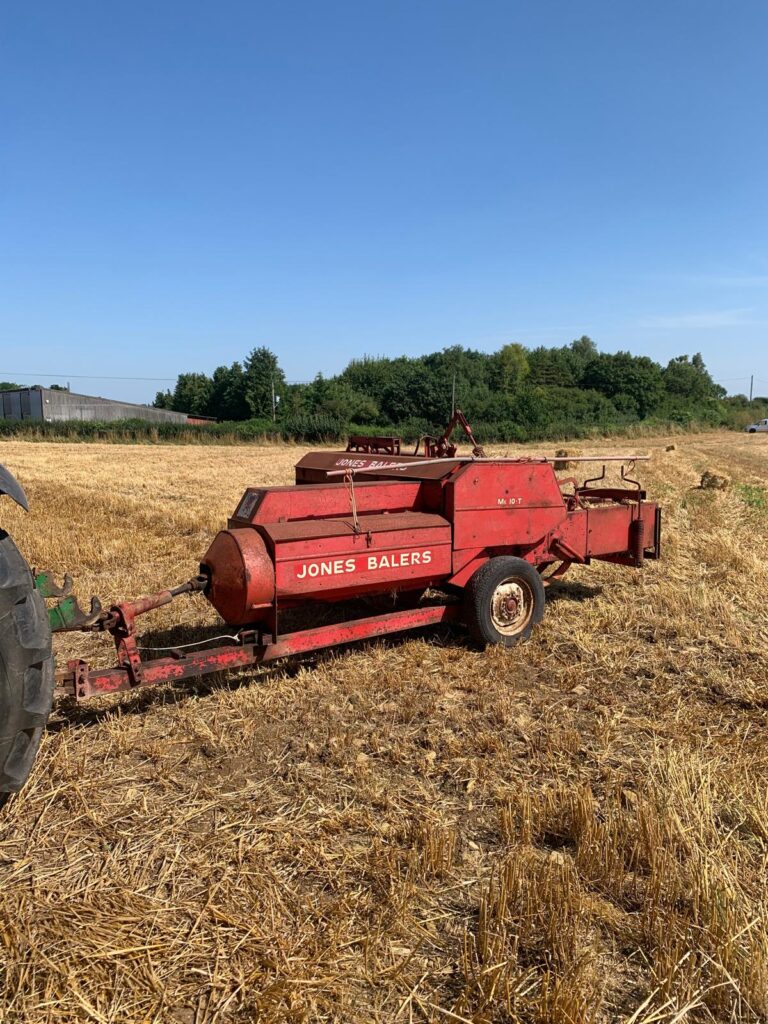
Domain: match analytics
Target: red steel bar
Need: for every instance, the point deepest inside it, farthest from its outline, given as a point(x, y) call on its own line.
point(83, 682)
point(502, 459)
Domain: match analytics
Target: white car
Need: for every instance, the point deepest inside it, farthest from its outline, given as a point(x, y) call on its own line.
point(754, 428)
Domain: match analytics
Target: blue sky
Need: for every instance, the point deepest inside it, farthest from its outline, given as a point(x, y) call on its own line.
point(183, 181)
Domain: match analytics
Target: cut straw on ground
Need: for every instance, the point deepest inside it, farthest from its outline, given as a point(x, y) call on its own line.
point(575, 830)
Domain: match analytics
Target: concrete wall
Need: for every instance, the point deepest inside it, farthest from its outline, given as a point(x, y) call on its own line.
point(57, 406)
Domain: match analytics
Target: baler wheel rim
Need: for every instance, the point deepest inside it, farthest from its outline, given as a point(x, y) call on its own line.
point(504, 600)
point(512, 606)
point(26, 669)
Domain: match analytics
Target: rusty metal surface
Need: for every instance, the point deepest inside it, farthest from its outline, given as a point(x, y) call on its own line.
point(81, 682)
point(46, 585)
point(316, 466)
point(610, 494)
point(441, 447)
point(320, 501)
point(68, 616)
point(374, 444)
point(242, 575)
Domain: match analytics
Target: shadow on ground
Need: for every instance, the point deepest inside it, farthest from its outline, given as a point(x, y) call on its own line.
point(157, 644)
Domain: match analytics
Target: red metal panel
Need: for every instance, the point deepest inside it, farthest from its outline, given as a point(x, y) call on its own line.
point(505, 485)
point(513, 504)
point(315, 465)
point(570, 534)
point(465, 565)
point(87, 683)
point(324, 529)
point(312, 558)
point(609, 525)
point(315, 501)
point(504, 528)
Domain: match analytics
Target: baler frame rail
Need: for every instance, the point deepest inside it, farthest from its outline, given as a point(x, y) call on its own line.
point(82, 682)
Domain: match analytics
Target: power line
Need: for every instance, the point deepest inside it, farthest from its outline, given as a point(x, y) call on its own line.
point(86, 376)
point(78, 376)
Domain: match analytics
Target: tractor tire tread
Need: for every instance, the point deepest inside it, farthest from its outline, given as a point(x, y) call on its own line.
point(26, 669)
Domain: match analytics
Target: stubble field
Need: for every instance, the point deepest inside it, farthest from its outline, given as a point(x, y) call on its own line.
point(574, 830)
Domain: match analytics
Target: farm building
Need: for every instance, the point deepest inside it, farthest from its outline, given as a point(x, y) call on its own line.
point(52, 405)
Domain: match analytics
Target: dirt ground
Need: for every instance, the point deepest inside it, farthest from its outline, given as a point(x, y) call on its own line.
point(574, 830)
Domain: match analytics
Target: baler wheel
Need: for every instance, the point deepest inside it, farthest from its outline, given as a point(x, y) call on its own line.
point(26, 669)
point(504, 600)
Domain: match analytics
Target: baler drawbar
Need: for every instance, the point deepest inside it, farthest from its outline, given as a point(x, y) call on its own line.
point(490, 534)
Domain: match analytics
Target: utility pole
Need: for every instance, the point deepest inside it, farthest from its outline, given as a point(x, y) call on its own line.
point(453, 394)
point(274, 417)
point(751, 385)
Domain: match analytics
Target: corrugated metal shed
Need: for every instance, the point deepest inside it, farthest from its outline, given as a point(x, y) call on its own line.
point(56, 406)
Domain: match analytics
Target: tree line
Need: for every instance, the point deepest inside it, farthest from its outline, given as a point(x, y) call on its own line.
point(516, 392)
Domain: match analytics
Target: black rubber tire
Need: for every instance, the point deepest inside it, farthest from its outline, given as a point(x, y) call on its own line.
point(479, 600)
point(26, 669)
point(752, 431)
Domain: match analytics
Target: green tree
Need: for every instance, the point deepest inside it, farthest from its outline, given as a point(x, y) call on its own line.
point(583, 350)
point(227, 400)
point(688, 378)
point(624, 374)
point(163, 400)
point(412, 392)
point(552, 367)
point(262, 374)
point(192, 394)
point(347, 404)
point(509, 367)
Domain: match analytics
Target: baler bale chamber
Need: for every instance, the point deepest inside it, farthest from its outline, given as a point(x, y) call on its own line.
point(356, 526)
point(489, 534)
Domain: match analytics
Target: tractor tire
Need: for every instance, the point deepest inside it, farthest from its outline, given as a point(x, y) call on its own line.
point(503, 601)
point(26, 669)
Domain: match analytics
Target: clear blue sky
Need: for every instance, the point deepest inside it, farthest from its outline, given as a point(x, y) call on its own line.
point(182, 181)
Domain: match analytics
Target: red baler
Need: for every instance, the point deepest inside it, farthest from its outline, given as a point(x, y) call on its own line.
point(491, 532)
point(488, 534)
